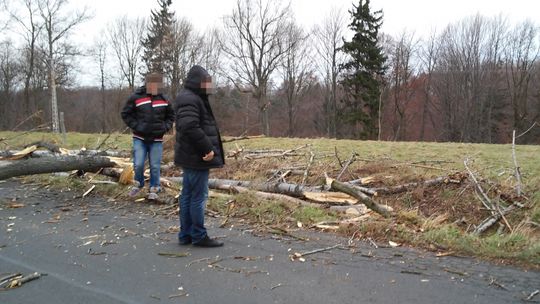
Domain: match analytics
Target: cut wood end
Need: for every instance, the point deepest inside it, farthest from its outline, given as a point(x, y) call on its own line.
point(126, 177)
point(329, 180)
point(388, 208)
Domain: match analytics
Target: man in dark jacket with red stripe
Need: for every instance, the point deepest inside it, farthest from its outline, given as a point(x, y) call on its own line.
point(198, 148)
point(149, 115)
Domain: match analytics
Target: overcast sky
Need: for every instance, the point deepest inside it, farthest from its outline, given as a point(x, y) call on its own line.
point(416, 15)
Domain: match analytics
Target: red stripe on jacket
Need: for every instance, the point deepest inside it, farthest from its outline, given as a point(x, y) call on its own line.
point(141, 100)
point(157, 103)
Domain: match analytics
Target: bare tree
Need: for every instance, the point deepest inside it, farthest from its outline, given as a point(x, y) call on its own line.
point(57, 24)
point(99, 53)
point(495, 94)
point(297, 72)
point(328, 38)
point(402, 70)
point(126, 34)
point(460, 86)
point(428, 55)
point(29, 27)
point(254, 42)
point(211, 54)
point(521, 54)
point(186, 49)
point(8, 79)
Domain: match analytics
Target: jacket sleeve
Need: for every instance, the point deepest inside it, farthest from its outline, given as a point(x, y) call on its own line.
point(128, 113)
point(169, 117)
point(188, 122)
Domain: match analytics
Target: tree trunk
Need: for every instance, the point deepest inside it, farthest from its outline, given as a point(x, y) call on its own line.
point(282, 188)
point(54, 101)
point(366, 200)
point(52, 164)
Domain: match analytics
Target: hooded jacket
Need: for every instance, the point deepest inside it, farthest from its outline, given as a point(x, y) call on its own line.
point(197, 132)
point(149, 117)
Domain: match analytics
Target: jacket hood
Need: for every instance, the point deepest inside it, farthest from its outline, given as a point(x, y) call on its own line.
point(194, 78)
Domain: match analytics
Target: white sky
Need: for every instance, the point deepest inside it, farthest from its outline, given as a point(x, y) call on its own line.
point(420, 16)
point(417, 15)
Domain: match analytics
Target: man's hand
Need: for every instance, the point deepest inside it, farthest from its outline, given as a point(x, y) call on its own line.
point(209, 156)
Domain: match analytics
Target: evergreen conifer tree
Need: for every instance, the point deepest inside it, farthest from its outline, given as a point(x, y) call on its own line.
point(157, 42)
point(362, 74)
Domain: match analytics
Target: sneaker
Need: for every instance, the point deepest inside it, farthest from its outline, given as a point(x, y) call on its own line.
point(208, 242)
point(134, 191)
point(153, 193)
point(152, 196)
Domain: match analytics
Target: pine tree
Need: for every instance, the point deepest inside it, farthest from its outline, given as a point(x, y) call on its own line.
point(363, 72)
point(157, 42)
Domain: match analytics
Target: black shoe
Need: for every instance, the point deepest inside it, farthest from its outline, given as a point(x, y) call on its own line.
point(186, 241)
point(208, 242)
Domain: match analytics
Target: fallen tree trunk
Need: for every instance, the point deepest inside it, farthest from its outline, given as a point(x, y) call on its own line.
point(282, 188)
point(52, 164)
point(363, 198)
point(298, 191)
point(265, 195)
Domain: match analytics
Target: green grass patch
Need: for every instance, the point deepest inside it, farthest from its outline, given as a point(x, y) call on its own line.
point(512, 246)
point(13, 140)
point(311, 215)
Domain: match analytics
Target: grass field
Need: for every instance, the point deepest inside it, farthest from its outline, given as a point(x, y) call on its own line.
point(438, 218)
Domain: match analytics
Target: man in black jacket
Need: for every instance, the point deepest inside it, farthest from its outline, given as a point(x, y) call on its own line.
point(198, 148)
point(149, 115)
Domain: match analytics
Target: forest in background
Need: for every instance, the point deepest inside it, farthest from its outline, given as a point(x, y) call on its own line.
point(477, 80)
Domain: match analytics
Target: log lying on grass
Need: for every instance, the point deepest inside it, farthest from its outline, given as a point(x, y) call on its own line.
point(292, 190)
point(266, 195)
point(282, 188)
point(363, 198)
point(13, 168)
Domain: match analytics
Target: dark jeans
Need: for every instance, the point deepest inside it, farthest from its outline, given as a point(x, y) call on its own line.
point(154, 151)
point(192, 203)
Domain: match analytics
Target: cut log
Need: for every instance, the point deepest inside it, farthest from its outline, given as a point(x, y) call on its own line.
point(273, 196)
point(302, 192)
point(331, 197)
point(52, 164)
point(282, 188)
point(363, 198)
point(357, 210)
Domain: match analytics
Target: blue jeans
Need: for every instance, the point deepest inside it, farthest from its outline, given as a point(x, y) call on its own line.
point(192, 203)
point(154, 151)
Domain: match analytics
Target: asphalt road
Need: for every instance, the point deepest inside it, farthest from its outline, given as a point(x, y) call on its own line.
point(96, 251)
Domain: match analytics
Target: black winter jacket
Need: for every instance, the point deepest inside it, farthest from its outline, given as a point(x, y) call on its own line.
point(197, 132)
point(149, 117)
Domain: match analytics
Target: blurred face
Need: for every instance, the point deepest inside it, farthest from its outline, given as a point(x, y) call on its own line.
point(207, 86)
point(154, 87)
